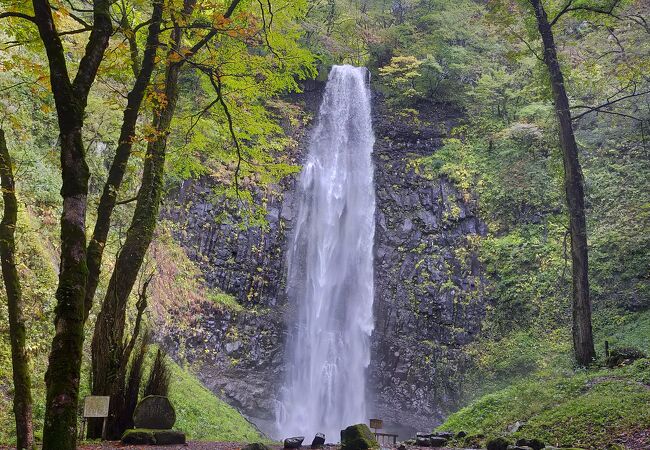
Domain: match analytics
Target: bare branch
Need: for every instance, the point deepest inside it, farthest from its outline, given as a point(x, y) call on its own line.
point(216, 83)
point(600, 108)
point(128, 200)
point(567, 8)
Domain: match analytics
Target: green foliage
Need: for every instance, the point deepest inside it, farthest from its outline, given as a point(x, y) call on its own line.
point(224, 300)
point(583, 409)
point(528, 376)
point(202, 415)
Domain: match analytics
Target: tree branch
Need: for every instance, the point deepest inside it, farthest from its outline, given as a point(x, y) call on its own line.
point(199, 45)
point(600, 108)
point(18, 15)
point(125, 201)
point(567, 8)
point(216, 83)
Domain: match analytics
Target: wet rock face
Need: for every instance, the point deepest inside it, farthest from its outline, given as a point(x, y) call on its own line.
point(236, 352)
point(428, 285)
point(428, 280)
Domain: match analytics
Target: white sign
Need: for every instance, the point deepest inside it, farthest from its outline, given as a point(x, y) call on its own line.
point(96, 406)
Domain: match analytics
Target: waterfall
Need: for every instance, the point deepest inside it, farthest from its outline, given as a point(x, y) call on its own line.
point(330, 267)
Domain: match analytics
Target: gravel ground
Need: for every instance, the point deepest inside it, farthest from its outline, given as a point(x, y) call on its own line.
point(196, 445)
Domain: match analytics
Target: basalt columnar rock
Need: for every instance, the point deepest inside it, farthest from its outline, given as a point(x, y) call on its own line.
point(429, 285)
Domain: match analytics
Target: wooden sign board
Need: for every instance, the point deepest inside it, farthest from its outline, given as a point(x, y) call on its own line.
point(96, 406)
point(377, 424)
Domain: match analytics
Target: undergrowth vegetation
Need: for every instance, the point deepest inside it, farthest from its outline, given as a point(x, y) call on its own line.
point(200, 413)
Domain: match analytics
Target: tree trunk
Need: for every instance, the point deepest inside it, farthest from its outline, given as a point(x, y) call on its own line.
point(108, 337)
point(583, 342)
point(122, 154)
point(62, 376)
point(17, 329)
point(107, 344)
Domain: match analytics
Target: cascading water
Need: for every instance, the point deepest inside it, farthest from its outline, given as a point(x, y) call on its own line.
point(330, 274)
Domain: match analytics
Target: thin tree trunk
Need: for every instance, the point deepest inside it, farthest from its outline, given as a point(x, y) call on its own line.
point(122, 155)
point(109, 329)
point(107, 344)
point(17, 329)
point(62, 376)
point(583, 342)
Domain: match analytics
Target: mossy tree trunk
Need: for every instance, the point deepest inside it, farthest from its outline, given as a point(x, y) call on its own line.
point(583, 342)
point(17, 328)
point(117, 170)
point(107, 345)
point(70, 98)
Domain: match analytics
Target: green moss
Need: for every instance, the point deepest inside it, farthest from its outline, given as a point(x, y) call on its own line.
point(358, 437)
point(575, 408)
point(202, 415)
point(224, 300)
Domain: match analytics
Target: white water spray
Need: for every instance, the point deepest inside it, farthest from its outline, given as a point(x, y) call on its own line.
point(330, 276)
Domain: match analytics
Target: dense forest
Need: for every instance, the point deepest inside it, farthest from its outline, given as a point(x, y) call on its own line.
point(130, 130)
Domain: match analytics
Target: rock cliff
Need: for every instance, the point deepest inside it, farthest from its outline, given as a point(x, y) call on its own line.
point(428, 302)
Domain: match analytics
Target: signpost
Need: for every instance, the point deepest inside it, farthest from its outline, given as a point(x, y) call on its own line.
point(96, 406)
point(384, 439)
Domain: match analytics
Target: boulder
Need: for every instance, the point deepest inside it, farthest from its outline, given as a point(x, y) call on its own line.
point(444, 434)
point(423, 439)
point(437, 441)
point(498, 443)
point(623, 356)
point(294, 442)
point(461, 434)
point(535, 444)
point(519, 447)
point(358, 437)
point(255, 446)
point(515, 427)
point(154, 412)
point(319, 440)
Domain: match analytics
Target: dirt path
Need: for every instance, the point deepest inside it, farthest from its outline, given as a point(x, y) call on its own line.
point(196, 445)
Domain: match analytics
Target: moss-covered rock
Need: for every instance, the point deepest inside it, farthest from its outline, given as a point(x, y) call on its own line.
point(624, 356)
point(168, 437)
point(358, 437)
point(138, 436)
point(535, 444)
point(146, 436)
point(498, 443)
point(255, 446)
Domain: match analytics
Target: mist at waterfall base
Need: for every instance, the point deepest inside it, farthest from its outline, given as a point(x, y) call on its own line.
point(330, 268)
